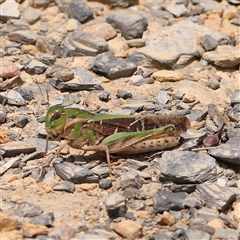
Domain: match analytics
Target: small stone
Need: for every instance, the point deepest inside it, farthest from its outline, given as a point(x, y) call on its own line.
point(105, 183)
point(186, 167)
point(8, 224)
point(176, 9)
point(216, 196)
point(228, 152)
point(124, 95)
point(116, 205)
point(15, 234)
point(13, 162)
point(8, 69)
point(72, 24)
point(189, 98)
point(29, 49)
point(32, 230)
point(99, 28)
point(113, 67)
point(23, 36)
point(15, 148)
point(213, 84)
point(131, 24)
point(166, 219)
point(9, 9)
point(165, 201)
point(128, 229)
point(230, 233)
point(208, 42)
point(26, 209)
point(65, 186)
point(236, 211)
point(216, 223)
point(196, 234)
point(235, 97)
point(131, 163)
point(30, 15)
point(162, 97)
point(79, 10)
point(167, 76)
point(137, 42)
point(45, 219)
point(148, 190)
point(224, 56)
point(35, 67)
point(131, 179)
point(20, 120)
point(62, 231)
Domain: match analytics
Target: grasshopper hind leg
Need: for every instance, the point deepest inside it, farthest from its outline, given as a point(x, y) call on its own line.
point(99, 149)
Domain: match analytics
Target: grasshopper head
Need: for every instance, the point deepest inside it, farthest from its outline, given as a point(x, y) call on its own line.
point(55, 120)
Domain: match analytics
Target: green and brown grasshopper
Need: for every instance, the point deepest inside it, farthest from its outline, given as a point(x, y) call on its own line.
point(121, 134)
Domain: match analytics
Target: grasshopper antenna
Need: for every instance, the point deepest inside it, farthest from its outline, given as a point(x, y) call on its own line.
point(48, 105)
point(47, 102)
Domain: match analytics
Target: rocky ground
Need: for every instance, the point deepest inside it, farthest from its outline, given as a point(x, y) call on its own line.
point(127, 57)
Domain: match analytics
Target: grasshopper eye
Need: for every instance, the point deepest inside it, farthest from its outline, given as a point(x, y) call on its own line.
point(56, 115)
point(55, 135)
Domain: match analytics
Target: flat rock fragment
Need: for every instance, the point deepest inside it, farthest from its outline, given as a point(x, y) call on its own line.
point(15, 148)
point(116, 205)
point(8, 224)
point(165, 201)
point(128, 229)
point(9, 9)
point(131, 24)
point(228, 152)
point(79, 10)
point(187, 167)
point(113, 67)
point(225, 56)
point(26, 209)
point(65, 186)
point(75, 174)
point(23, 36)
point(216, 196)
point(32, 230)
point(196, 234)
point(13, 162)
point(99, 28)
point(83, 80)
point(8, 69)
point(45, 219)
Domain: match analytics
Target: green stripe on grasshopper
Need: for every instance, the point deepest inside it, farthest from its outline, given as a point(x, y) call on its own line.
point(135, 142)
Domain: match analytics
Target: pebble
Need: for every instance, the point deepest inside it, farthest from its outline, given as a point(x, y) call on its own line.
point(15, 148)
point(116, 205)
point(224, 56)
point(229, 152)
point(113, 67)
point(45, 219)
point(131, 24)
point(185, 167)
point(26, 209)
point(213, 84)
point(32, 230)
point(128, 229)
point(216, 196)
point(65, 186)
point(167, 76)
point(8, 69)
point(30, 15)
point(8, 224)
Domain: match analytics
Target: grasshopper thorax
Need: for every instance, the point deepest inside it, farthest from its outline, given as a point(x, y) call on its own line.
point(55, 121)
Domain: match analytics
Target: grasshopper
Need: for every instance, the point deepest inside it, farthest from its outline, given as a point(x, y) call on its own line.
point(114, 133)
